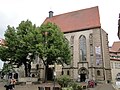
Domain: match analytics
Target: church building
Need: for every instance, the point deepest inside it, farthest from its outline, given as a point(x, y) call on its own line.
point(88, 42)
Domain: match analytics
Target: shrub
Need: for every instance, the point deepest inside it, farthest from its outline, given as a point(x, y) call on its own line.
point(75, 86)
point(64, 80)
point(67, 84)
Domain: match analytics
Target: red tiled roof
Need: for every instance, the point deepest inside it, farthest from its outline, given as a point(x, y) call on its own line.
point(116, 46)
point(111, 50)
point(77, 20)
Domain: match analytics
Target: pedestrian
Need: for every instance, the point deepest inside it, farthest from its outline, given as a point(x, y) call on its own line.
point(7, 83)
point(12, 83)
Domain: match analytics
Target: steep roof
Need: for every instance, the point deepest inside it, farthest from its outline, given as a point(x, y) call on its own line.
point(116, 47)
point(77, 20)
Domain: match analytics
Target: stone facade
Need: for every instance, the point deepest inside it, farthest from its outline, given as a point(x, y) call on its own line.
point(115, 69)
point(96, 65)
point(115, 61)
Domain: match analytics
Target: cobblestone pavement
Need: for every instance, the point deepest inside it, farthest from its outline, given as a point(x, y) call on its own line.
point(29, 86)
point(103, 87)
point(2, 86)
point(35, 87)
point(21, 87)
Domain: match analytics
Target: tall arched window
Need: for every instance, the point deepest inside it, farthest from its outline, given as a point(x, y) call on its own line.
point(83, 48)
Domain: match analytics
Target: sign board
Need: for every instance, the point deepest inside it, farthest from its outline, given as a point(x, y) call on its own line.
point(58, 68)
point(51, 66)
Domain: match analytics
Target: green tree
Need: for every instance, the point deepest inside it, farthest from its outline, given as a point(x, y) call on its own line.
point(19, 42)
point(47, 41)
point(53, 47)
point(7, 68)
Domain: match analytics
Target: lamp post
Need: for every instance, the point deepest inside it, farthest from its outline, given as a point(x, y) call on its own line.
point(79, 78)
point(54, 77)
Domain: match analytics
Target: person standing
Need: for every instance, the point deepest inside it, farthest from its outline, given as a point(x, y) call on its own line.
point(12, 83)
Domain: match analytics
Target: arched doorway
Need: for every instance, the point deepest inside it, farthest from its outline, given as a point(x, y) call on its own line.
point(50, 74)
point(83, 73)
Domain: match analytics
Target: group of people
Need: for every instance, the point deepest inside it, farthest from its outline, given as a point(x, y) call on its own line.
point(90, 83)
point(11, 84)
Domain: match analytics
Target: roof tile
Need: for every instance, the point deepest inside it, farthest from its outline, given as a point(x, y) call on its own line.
point(77, 20)
point(116, 46)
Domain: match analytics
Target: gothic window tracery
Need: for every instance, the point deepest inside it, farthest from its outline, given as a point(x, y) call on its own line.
point(82, 48)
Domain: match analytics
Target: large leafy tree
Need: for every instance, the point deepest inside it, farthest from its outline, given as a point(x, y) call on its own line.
point(53, 47)
point(19, 42)
point(47, 41)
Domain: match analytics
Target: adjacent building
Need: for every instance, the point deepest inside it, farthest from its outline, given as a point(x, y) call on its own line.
point(115, 61)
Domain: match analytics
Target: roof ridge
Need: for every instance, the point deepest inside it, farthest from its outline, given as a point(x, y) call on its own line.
point(75, 11)
point(83, 19)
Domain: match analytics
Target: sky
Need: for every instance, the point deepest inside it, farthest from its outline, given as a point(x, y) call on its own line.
point(12, 12)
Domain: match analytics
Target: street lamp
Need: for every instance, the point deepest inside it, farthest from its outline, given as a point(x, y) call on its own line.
point(79, 78)
point(54, 77)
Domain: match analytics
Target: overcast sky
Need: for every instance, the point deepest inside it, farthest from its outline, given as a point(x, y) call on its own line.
point(12, 12)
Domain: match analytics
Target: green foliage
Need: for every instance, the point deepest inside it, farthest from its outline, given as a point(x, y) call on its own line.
point(67, 84)
point(64, 80)
point(75, 86)
point(19, 42)
point(53, 45)
point(47, 41)
point(7, 68)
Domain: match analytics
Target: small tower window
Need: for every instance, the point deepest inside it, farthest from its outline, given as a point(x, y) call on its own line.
point(68, 72)
point(98, 72)
point(62, 72)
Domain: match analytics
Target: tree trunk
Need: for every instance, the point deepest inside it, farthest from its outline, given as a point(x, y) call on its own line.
point(29, 69)
point(26, 70)
point(46, 70)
